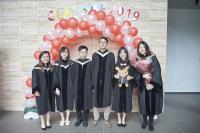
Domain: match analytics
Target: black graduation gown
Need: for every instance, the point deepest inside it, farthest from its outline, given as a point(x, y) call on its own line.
point(103, 70)
point(42, 82)
point(151, 102)
point(63, 80)
point(83, 84)
point(122, 96)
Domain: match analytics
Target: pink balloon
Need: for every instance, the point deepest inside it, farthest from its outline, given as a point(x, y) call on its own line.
point(107, 33)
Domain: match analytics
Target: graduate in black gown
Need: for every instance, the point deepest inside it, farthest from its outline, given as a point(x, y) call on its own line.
point(122, 94)
point(82, 86)
point(103, 63)
point(63, 85)
point(151, 85)
point(42, 88)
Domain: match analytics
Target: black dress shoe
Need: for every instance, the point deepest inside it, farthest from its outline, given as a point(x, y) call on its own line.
point(85, 124)
point(77, 123)
point(144, 124)
point(151, 128)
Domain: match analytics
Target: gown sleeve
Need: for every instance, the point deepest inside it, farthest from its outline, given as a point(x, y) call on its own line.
point(56, 77)
point(156, 73)
point(136, 76)
point(112, 65)
point(35, 81)
point(114, 80)
point(93, 69)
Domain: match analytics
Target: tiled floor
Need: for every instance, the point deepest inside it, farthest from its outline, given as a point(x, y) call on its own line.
point(181, 115)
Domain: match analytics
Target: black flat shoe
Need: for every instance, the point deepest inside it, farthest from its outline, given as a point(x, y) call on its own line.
point(77, 123)
point(49, 126)
point(119, 125)
point(123, 125)
point(43, 128)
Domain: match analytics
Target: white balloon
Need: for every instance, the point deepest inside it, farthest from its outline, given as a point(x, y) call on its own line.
point(59, 33)
point(79, 33)
point(46, 46)
point(119, 20)
point(83, 15)
point(100, 25)
point(125, 30)
point(128, 40)
point(69, 33)
point(51, 35)
point(28, 92)
point(92, 19)
point(50, 32)
point(30, 103)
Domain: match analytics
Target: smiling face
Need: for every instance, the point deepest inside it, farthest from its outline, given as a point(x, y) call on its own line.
point(142, 50)
point(83, 53)
point(64, 54)
point(122, 55)
point(45, 58)
point(103, 43)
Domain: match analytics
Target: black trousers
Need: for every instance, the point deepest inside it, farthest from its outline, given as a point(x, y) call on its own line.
point(150, 118)
point(82, 115)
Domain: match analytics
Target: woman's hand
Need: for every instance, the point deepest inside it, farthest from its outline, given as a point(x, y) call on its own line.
point(57, 92)
point(116, 76)
point(147, 76)
point(149, 87)
point(129, 77)
point(37, 94)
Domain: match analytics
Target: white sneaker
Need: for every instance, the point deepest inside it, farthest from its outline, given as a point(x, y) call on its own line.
point(67, 123)
point(62, 123)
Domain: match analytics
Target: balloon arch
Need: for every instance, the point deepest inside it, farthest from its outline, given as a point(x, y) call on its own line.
point(92, 23)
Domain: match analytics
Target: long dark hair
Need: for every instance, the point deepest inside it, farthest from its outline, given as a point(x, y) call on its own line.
point(147, 50)
point(119, 60)
point(62, 49)
point(41, 64)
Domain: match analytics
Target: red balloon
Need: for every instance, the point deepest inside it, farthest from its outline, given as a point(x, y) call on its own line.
point(115, 29)
point(133, 31)
point(56, 43)
point(92, 29)
point(100, 15)
point(57, 25)
point(54, 53)
point(65, 40)
point(37, 54)
point(29, 82)
point(74, 38)
point(63, 23)
point(136, 42)
point(83, 25)
point(120, 39)
point(109, 20)
point(127, 22)
point(72, 22)
point(92, 11)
